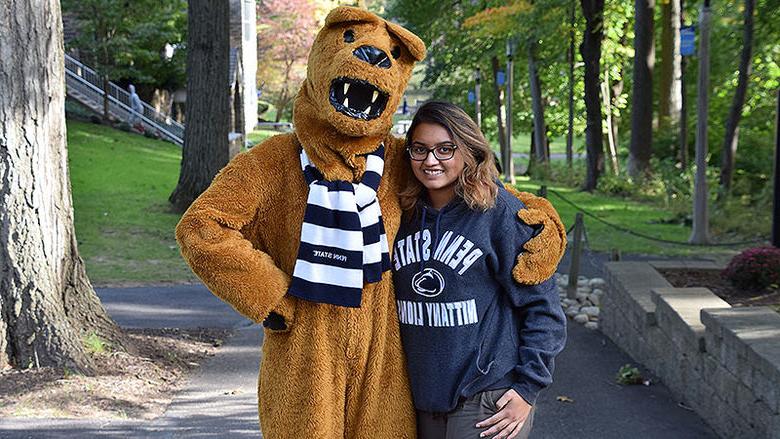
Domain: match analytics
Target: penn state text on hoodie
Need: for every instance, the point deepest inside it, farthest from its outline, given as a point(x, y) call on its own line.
point(467, 326)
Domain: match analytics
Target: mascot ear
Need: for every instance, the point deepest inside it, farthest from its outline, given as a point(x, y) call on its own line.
point(412, 42)
point(344, 14)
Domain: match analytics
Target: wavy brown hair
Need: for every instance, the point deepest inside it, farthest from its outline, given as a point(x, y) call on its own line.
point(476, 184)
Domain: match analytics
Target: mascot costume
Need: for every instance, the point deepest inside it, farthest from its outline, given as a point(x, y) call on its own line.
point(283, 229)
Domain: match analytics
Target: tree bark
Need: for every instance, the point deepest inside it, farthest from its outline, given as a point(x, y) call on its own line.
point(590, 49)
point(537, 105)
point(683, 102)
point(205, 149)
point(642, 95)
point(570, 131)
point(47, 304)
point(670, 98)
point(731, 139)
point(500, 117)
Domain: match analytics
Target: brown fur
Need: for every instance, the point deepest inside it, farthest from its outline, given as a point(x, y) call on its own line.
point(334, 372)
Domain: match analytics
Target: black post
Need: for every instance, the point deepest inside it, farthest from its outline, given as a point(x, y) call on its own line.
point(576, 252)
point(776, 210)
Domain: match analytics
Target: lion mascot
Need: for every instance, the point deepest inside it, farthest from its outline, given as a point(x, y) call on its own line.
point(283, 229)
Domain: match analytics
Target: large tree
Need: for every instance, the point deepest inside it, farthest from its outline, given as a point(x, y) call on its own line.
point(208, 100)
point(47, 304)
point(590, 49)
point(642, 91)
point(731, 138)
point(286, 33)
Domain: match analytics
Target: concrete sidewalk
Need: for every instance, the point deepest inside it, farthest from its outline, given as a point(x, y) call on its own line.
point(220, 400)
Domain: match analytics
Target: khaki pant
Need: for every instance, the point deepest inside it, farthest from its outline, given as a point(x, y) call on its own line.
point(460, 423)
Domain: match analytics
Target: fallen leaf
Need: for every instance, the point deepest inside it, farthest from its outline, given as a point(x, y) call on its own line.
point(564, 398)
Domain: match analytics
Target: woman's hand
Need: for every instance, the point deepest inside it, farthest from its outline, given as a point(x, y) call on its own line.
point(512, 412)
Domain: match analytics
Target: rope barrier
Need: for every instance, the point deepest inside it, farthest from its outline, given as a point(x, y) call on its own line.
point(642, 235)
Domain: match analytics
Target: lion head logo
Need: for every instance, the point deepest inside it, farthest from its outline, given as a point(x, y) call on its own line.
point(428, 283)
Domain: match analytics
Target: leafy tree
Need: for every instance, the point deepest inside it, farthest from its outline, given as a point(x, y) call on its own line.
point(286, 30)
point(127, 39)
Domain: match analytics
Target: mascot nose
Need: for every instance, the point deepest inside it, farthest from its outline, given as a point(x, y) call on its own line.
point(373, 56)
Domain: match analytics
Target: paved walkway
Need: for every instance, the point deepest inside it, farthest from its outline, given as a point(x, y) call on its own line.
point(220, 401)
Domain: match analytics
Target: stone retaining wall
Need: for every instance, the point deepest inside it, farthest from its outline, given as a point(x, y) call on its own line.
point(723, 362)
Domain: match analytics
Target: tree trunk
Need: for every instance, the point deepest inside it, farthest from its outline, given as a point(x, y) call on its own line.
point(731, 139)
point(683, 103)
point(106, 94)
point(590, 49)
point(205, 149)
point(670, 99)
point(611, 141)
point(500, 118)
point(570, 131)
point(642, 95)
point(537, 105)
point(47, 304)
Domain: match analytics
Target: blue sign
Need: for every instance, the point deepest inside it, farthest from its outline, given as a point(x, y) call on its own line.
point(687, 40)
point(500, 78)
point(472, 97)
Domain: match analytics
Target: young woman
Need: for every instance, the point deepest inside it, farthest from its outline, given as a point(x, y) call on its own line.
point(479, 346)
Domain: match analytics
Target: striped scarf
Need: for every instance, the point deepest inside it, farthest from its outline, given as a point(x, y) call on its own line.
point(343, 241)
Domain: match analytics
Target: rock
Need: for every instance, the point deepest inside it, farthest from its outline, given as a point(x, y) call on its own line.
point(581, 318)
point(564, 305)
point(592, 325)
point(582, 297)
point(597, 282)
point(572, 311)
point(598, 291)
point(595, 299)
point(591, 311)
point(585, 290)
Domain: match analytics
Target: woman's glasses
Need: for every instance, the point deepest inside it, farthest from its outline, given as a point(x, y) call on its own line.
point(443, 151)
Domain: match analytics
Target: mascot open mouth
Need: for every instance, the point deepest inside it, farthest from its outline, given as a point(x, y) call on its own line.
point(357, 98)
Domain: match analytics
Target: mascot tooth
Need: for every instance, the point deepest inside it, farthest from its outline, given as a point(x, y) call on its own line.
point(332, 363)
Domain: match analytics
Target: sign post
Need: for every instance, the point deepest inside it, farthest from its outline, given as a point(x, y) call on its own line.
point(700, 233)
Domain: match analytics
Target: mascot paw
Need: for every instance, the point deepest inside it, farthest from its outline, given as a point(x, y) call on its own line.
point(544, 251)
point(282, 317)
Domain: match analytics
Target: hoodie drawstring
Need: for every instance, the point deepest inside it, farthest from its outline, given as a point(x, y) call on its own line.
point(424, 213)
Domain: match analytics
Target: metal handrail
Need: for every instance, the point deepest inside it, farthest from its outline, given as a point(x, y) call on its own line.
point(94, 81)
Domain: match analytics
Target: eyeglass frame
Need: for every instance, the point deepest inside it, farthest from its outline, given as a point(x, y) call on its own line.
point(428, 151)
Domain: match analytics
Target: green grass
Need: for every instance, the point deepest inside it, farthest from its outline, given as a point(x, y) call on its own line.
point(258, 136)
point(521, 142)
point(124, 225)
point(641, 217)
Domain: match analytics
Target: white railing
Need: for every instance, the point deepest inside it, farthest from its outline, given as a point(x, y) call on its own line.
point(90, 84)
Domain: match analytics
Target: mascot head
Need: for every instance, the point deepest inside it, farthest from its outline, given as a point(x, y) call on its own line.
point(358, 69)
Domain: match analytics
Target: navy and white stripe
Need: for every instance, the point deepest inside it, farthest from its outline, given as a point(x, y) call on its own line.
point(343, 240)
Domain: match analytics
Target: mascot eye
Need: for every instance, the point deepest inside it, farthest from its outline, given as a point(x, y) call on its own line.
point(349, 36)
point(396, 52)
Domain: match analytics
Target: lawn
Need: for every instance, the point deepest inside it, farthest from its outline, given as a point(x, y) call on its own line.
point(645, 218)
point(125, 228)
point(124, 225)
point(258, 136)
